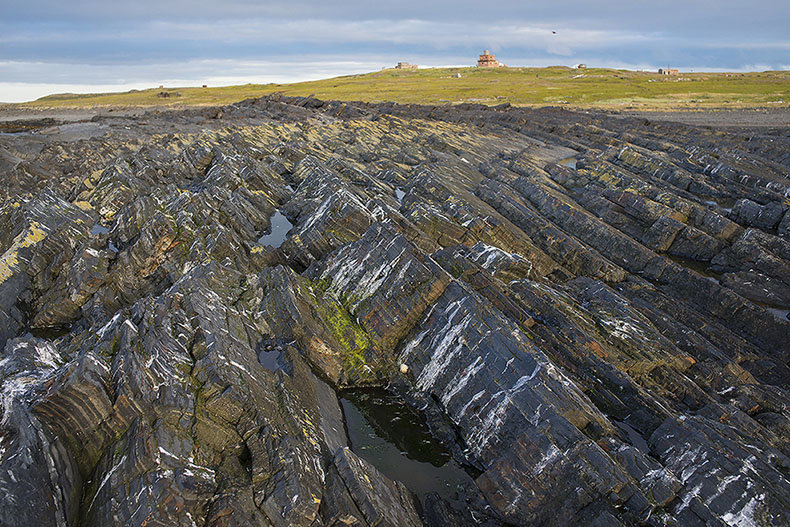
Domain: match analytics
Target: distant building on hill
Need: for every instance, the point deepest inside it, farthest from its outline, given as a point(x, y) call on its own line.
point(405, 66)
point(487, 60)
point(581, 66)
point(663, 71)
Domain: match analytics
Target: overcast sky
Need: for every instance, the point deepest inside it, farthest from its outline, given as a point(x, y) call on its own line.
point(81, 46)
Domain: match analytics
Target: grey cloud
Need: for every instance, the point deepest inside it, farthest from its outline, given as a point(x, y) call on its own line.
point(669, 11)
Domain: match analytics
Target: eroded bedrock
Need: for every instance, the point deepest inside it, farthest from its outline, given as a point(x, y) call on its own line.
point(193, 304)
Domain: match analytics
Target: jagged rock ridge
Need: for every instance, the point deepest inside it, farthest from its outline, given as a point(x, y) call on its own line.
point(589, 311)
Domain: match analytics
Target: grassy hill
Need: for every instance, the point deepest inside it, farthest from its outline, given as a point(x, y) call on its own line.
point(590, 88)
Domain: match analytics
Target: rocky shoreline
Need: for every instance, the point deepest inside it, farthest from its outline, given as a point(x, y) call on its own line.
point(585, 314)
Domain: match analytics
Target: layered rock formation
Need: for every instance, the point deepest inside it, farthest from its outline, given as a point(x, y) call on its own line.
point(589, 312)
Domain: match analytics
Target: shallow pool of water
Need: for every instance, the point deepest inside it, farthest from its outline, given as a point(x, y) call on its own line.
point(399, 194)
point(394, 437)
point(51, 333)
point(702, 268)
point(99, 229)
point(783, 314)
point(278, 230)
point(723, 203)
point(569, 162)
point(634, 437)
point(269, 353)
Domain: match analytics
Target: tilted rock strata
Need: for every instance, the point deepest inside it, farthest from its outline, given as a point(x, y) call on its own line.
point(591, 339)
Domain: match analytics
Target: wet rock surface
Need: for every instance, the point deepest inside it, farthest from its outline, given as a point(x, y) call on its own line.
point(184, 296)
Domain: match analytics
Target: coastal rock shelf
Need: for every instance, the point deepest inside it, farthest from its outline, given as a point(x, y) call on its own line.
point(576, 319)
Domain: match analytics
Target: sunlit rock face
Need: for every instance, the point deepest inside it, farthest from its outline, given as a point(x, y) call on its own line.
point(586, 313)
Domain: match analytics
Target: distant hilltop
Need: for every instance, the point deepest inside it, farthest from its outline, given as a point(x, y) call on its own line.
point(557, 85)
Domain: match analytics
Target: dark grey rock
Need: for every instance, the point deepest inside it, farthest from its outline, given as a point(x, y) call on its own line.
point(589, 342)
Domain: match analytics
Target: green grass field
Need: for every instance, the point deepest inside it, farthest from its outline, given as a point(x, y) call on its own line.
point(590, 88)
